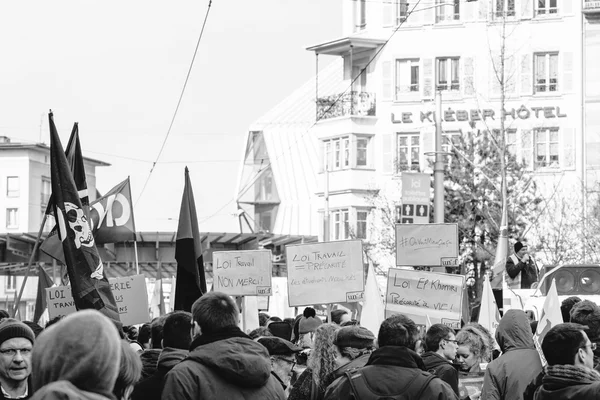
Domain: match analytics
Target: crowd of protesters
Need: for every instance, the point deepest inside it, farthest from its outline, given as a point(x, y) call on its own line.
point(205, 355)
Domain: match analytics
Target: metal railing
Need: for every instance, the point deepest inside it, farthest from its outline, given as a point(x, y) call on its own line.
point(350, 103)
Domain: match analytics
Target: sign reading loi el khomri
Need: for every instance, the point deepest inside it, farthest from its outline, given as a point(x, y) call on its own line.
point(323, 273)
point(243, 273)
point(422, 294)
point(129, 291)
point(430, 245)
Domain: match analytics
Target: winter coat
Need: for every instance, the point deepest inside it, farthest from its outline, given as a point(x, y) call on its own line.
point(151, 387)
point(224, 365)
point(583, 386)
point(520, 274)
point(507, 376)
point(65, 390)
point(393, 370)
point(442, 368)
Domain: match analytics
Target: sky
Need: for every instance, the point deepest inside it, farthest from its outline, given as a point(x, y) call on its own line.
point(118, 69)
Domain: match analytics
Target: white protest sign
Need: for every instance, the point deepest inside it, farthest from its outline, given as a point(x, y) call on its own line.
point(323, 273)
point(129, 292)
point(243, 273)
point(422, 294)
point(426, 244)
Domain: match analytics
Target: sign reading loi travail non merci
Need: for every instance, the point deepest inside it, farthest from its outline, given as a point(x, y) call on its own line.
point(130, 295)
point(243, 273)
point(323, 273)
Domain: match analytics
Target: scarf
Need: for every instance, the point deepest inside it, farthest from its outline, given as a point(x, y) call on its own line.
point(581, 375)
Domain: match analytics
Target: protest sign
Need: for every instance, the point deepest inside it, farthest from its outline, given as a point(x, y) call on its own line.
point(129, 291)
point(243, 273)
point(421, 295)
point(426, 244)
point(324, 273)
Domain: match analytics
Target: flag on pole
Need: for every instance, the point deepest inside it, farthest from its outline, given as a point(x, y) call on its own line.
point(373, 311)
point(489, 316)
point(502, 247)
point(89, 285)
point(191, 281)
point(112, 215)
point(551, 316)
point(44, 282)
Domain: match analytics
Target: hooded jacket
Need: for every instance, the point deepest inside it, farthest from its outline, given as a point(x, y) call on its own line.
point(226, 365)
point(151, 387)
point(442, 368)
point(507, 376)
point(65, 390)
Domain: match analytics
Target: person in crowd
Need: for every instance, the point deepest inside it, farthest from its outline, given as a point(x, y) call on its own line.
point(4, 314)
point(53, 321)
point(392, 369)
point(281, 329)
point(307, 326)
point(351, 322)
point(441, 347)
point(587, 313)
point(145, 335)
point(340, 316)
point(176, 342)
point(273, 319)
point(521, 270)
point(131, 332)
point(567, 305)
point(296, 327)
point(16, 344)
point(150, 356)
point(283, 359)
point(130, 371)
point(259, 332)
point(223, 362)
point(473, 352)
point(263, 318)
point(36, 328)
point(507, 376)
point(77, 358)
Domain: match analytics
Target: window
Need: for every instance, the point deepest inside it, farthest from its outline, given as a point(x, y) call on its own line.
point(448, 73)
point(12, 186)
point(11, 282)
point(546, 7)
point(546, 72)
point(401, 11)
point(449, 140)
point(361, 151)
point(361, 224)
point(346, 152)
point(341, 224)
point(408, 152)
point(511, 142)
point(407, 76)
point(12, 218)
point(545, 147)
point(46, 191)
point(505, 8)
point(447, 10)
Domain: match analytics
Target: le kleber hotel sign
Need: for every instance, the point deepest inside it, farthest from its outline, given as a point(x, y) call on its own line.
point(591, 5)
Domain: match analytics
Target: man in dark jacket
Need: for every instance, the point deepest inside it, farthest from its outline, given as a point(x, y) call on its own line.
point(392, 369)
point(175, 342)
point(224, 363)
point(520, 268)
point(587, 313)
point(507, 376)
point(441, 353)
point(569, 373)
point(16, 343)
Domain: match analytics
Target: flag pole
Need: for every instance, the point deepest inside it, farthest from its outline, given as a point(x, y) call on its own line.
point(35, 247)
point(137, 267)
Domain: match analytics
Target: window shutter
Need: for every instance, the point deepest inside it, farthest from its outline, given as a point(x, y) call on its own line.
point(568, 148)
point(387, 143)
point(386, 81)
point(527, 148)
point(388, 13)
point(428, 77)
point(427, 146)
point(483, 9)
point(469, 75)
point(526, 75)
point(567, 58)
point(527, 9)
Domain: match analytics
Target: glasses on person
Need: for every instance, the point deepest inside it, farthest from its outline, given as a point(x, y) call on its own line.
point(13, 352)
point(452, 340)
point(592, 346)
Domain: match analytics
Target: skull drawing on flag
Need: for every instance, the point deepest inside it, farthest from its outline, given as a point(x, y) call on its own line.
point(78, 222)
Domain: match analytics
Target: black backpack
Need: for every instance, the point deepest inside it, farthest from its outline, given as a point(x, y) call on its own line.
point(362, 390)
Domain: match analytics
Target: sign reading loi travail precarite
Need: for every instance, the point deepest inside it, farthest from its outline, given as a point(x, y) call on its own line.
point(323, 273)
point(422, 294)
point(243, 273)
point(426, 244)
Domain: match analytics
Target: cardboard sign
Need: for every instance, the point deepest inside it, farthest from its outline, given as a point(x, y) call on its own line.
point(324, 273)
point(243, 273)
point(129, 291)
point(426, 244)
point(421, 294)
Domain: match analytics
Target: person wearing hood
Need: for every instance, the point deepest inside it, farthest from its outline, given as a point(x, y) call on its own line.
point(175, 342)
point(224, 363)
point(441, 352)
point(508, 376)
point(77, 358)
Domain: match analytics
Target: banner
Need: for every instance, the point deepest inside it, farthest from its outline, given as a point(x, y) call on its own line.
point(373, 311)
point(111, 215)
point(129, 291)
point(324, 273)
point(427, 245)
point(243, 273)
point(421, 295)
point(551, 316)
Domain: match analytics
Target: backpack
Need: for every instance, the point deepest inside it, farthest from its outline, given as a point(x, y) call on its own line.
point(362, 391)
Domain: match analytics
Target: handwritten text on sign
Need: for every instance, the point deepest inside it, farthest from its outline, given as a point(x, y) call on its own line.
point(425, 244)
point(243, 273)
point(419, 294)
point(129, 292)
point(323, 273)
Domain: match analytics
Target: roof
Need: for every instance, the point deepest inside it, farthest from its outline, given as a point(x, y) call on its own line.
point(41, 147)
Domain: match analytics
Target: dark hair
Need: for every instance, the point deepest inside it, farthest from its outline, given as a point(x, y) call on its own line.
point(587, 313)
point(562, 342)
point(290, 321)
point(398, 330)
point(131, 332)
point(336, 316)
point(567, 305)
point(34, 327)
point(309, 312)
point(156, 326)
point(435, 334)
point(263, 318)
point(274, 319)
point(144, 334)
point(53, 321)
point(130, 370)
point(352, 322)
point(4, 314)
point(176, 330)
point(215, 311)
point(260, 331)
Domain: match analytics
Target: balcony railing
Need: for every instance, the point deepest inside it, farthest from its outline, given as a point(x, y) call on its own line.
point(350, 103)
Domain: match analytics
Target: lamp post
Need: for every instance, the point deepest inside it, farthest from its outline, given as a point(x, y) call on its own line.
point(438, 167)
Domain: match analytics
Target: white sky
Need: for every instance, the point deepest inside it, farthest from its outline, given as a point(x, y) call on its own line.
point(118, 68)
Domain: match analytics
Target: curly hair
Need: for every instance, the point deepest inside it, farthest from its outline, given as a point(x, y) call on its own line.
point(478, 339)
point(322, 358)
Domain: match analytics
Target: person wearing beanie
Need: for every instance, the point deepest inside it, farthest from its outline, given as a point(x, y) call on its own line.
point(307, 325)
point(521, 270)
point(16, 344)
point(77, 358)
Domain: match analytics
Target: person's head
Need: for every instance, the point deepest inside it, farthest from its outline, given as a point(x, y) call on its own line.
point(351, 322)
point(306, 330)
point(568, 344)
point(440, 339)
point(520, 248)
point(36, 328)
point(283, 357)
point(130, 370)
point(53, 321)
point(263, 318)
point(567, 305)
point(587, 313)
point(340, 316)
point(271, 320)
point(489, 341)
point(213, 312)
point(176, 330)
point(281, 329)
point(156, 327)
point(353, 341)
point(472, 348)
point(16, 344)
point(398, 330)
point(323, 356)
point(131, 332)
point(4, 314)
point(83, 348)
point(260, 332)
point(144, 335)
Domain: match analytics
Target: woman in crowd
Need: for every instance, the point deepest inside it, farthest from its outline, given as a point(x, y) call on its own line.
point(130, 371)
point(473, 354)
